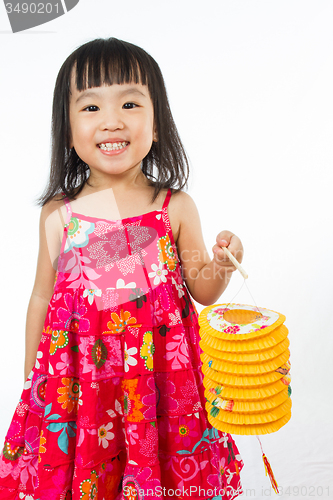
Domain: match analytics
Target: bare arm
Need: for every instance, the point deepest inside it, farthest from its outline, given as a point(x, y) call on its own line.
point(205, 278)
point(49, 246)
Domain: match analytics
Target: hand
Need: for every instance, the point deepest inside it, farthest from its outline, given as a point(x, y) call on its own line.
point(234, 244)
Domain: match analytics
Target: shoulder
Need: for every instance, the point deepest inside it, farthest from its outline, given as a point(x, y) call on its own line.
point(52, 205)
point(181, 210)
point(52, 215)
point(182, 203)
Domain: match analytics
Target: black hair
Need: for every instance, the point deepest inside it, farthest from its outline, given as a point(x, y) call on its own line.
point(109, 61)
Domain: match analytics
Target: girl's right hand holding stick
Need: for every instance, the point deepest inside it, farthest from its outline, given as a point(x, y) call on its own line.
point(205, 278)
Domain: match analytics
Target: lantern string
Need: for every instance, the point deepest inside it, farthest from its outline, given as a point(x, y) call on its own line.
point(244, 283)
point(251, 296)
point(230, 302)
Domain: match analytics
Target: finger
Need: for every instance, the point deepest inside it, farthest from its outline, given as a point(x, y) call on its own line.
point(236, 248)
point(224, 238)
point(221, 258)
point(219, 254)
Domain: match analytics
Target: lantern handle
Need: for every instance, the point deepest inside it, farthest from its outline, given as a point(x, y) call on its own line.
point(235, 262)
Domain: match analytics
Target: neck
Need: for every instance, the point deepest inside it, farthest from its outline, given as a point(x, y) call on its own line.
point(99, 181)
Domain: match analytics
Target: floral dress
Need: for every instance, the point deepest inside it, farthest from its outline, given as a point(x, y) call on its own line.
point(114, 407)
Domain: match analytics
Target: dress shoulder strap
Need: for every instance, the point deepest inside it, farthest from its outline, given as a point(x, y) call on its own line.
point(166, 221)
point(167, 199)
point(68, 208)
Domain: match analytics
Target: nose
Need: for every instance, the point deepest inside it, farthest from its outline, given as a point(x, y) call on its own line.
point(111, 120)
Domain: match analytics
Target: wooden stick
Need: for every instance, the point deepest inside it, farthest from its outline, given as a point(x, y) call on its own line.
point(235, 263)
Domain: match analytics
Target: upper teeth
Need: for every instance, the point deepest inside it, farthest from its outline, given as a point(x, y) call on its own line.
point(108, 146)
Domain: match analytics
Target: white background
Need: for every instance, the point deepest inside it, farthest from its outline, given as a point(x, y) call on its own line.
point(250, 84)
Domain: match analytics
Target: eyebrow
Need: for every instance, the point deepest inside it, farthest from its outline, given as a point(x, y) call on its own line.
point(91, 93)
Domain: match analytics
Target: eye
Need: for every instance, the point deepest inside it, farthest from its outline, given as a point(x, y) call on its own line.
point(130, 105)
point(91, 108)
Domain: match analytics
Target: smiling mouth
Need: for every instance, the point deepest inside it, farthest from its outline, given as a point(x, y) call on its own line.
point(114, 146)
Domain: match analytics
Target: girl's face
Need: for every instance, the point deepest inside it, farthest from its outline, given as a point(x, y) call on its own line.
point(112, 127)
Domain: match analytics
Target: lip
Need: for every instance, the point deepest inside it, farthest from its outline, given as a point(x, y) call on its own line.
point(115, 151)
point(113, 140)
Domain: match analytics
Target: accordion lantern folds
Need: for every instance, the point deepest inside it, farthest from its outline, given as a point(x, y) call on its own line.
point(246, 368)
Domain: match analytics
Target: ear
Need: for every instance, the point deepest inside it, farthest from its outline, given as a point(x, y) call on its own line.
point(155, 135)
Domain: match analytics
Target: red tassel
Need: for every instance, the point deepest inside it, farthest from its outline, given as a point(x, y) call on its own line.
point(269, 471)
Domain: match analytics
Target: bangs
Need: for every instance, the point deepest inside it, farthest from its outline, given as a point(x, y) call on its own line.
point(108, 62)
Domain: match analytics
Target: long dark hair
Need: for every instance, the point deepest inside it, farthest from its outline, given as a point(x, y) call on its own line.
point(109, 61)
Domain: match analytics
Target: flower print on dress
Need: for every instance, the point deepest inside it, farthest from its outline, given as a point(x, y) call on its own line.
point(24, 469)
point(109, 250)
point(99, 353)
point(156, 312)
point(121, 284)
point(166, 253)
point(78, 233)
point(69, 394)
point(166, 388)
point(105, 435)
point(179, 287)
point(150, 400)
point(149, 445)
point(37, 363)
point(131, 435)
point(41, 448)
point(118, 324)
point(110, 299)
point(72, 317)
point(32, 440)
point(38, 391)
point(87, 348)
point(147, 350)
point(175, 319)
point(119, 409)
point(131, 400)
point(215, 480)
point(65, 366)
point(158, 273)
point(223, 439)
point(128, 359)
point(59, 339)
point(128, 264)
point(138, 296)
point(140, 237)
point(184, 431)
point(62, 485)
point(12, 453)
point(90, 293)
point(89, 487)
point(68, 429)
point(190, 398)
point(166, 300)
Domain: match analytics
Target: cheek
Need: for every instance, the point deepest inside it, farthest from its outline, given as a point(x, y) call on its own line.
point(80, 134)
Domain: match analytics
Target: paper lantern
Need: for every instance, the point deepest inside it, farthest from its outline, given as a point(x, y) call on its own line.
point(246, 368)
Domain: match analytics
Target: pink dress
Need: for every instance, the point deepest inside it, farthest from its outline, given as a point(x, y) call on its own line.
point(114, 407)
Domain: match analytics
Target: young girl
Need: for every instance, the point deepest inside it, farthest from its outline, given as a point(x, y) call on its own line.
point(113, 404)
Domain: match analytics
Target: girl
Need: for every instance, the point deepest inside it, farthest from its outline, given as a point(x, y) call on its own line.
point(113, 404)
